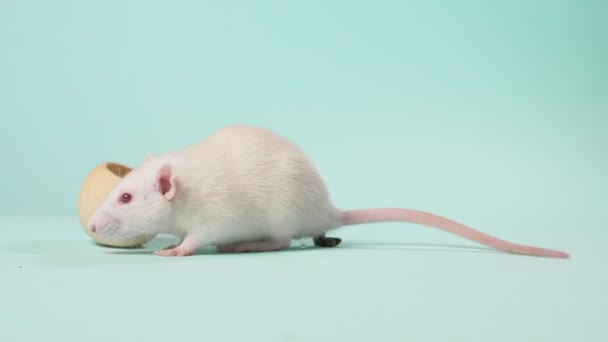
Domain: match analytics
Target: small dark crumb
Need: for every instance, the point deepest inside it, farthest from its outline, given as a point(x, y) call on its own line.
point(19, 266)
point(324, 241)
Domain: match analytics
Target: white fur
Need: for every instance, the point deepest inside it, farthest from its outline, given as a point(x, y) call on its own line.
point(242, 183)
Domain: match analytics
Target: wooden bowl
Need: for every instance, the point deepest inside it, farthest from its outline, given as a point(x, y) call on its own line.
point(95, 187)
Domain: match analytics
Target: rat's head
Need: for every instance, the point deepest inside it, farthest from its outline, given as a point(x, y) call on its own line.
point(139, 204)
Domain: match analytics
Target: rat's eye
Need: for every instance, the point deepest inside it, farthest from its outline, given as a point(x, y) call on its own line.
point(125, 198)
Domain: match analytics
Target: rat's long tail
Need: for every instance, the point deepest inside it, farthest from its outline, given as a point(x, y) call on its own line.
point(362, 216)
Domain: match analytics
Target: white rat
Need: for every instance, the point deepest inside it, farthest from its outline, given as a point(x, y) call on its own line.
point(246, 189)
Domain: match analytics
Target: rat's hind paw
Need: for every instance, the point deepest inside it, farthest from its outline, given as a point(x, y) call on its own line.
point(254, 246)
point(227, 248)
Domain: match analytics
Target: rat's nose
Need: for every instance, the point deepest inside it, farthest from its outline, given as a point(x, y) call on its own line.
point(93, 228)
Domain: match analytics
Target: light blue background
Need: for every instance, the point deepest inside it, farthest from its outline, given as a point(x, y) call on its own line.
point(494, 114)
point(400, 102)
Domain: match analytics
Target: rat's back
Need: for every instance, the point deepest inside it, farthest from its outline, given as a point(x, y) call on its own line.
point(245, 182)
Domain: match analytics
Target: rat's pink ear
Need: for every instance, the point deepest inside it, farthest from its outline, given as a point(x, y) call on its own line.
point(165, 180)
point(148, 156)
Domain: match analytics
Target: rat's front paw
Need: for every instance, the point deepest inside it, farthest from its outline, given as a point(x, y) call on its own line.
point(174, 252)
